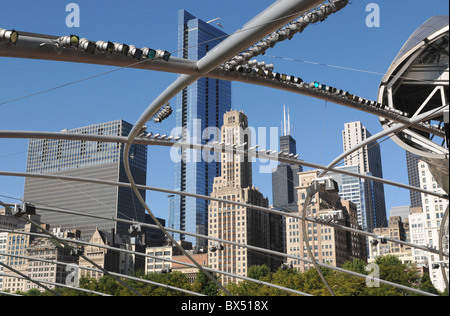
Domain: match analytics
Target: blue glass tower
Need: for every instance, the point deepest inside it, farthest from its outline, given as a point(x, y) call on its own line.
point(200, 110)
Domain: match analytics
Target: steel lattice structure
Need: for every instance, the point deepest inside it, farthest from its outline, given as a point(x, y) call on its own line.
point(231, 60)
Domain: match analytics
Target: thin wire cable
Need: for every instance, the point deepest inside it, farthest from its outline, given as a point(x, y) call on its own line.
point(344, 68)
point(140, 62)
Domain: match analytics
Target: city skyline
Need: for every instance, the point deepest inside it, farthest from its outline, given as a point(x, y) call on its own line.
point(324, 81)
point(247, 97)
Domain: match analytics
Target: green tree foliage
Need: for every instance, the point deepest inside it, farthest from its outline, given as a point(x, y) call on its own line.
point(343, 284)
point(205, 286)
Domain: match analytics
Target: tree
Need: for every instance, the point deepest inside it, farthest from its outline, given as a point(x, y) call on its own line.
point(426, 285)
point(258, 272)
point(204, 285)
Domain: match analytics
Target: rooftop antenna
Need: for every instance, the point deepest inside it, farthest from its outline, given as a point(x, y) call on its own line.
point(286, 125)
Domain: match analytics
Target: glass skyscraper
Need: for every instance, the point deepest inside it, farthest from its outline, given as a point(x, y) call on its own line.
point(200, 106)
point(86, 159)
point(368, 159)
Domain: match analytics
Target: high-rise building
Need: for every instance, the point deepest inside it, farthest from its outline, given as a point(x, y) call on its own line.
point(235, 223)
point(352, 189)
point(413, 178)
point(368, 158)
point(284, 177)
point(329, 245)
point(85, 159)
point(200, 110)
point(433, 210)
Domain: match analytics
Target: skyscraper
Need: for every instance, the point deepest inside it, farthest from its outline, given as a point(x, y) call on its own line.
point(235, 223)
point(329, 245)
point(368, 158)
point(285, 176)
point(412, 162)
point(86, 159)
point(352, 189)
point(200, 110)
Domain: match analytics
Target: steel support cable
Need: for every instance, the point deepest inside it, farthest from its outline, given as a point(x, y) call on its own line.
point(169, 287)
point(219, 54)
point(255, 207)
point(399, 286)
point(168, 260)
point(394, 129)
point(20, 275)
point(55, 284)
point(68, 246)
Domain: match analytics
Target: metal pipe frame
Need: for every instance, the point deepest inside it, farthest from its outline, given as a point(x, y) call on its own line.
point(237, 42)
point(399, 286)
point(262, 25)
point(53, 284)
point(39, 46)
point(168, 260)
point(68, 246)
point(394, 129)
point(169, 287)
point(207, 147)
point(20, 275)
point(205, 197)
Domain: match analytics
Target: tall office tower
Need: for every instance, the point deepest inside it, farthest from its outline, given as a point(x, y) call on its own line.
point(86, 159)
point(352, 189)
point(200, 106)
point(434, 210)
point(368, 159)
point(413, 178)
point(235, 223)
point(285, 176)
point(329, 245)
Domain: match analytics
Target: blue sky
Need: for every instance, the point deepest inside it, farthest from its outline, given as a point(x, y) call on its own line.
point(343, 40)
